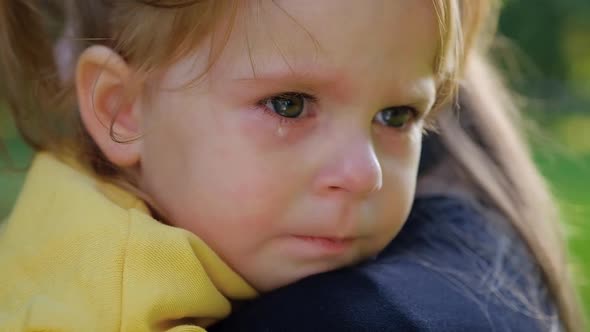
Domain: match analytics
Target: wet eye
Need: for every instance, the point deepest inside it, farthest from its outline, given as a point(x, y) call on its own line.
point(396, 117)
point(289, 105)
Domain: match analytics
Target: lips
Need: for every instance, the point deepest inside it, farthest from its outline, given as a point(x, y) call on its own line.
point(332, 245)
point(325, 240)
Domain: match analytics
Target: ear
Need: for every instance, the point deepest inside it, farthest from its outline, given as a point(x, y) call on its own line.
point(101, 79)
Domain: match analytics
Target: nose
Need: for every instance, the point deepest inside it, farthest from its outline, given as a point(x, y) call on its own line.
point(352, 167)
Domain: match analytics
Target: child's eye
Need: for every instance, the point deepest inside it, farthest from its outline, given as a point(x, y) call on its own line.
point(396, 117)
point(288, 105)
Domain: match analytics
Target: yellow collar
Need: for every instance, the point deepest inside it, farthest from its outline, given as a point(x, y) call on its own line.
point(82, 242)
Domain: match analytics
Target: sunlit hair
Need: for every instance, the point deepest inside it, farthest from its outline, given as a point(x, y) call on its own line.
point(153, 34)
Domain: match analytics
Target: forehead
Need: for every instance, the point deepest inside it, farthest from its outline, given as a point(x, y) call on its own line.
point(366, 41)
point(344, 28)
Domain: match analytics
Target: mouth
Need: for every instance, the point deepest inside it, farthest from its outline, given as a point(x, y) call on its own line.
point(325, 245)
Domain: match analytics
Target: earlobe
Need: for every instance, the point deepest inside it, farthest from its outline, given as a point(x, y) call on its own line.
point(109, 113)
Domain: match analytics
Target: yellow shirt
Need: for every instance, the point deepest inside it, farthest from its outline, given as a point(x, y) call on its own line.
point(78, 254)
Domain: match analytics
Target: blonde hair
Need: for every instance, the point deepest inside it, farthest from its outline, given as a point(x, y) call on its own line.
point(43, 103)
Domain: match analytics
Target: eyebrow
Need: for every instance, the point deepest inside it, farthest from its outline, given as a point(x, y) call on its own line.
point(310, 77)
point(422, 92)
point(334, 82)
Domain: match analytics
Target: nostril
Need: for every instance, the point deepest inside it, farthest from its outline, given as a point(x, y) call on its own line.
point(335, 188)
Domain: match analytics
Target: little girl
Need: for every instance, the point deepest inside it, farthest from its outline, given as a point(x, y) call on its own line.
point(197, 152)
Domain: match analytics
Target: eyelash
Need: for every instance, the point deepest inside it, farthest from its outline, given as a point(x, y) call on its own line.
point(310, 101)
point(415, 116)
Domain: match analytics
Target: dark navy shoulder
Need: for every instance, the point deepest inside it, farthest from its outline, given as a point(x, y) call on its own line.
point(449, 269)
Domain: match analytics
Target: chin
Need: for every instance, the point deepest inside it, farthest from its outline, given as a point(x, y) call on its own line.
point(284, 271)
point(282, 281)
point(267, 284)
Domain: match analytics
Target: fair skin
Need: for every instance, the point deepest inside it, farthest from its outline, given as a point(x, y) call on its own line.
point(280, 194)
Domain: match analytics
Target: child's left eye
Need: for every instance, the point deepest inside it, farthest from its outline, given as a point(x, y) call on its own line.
point(396, 117)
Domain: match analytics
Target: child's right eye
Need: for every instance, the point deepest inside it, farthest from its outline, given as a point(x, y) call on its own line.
point(288, 105)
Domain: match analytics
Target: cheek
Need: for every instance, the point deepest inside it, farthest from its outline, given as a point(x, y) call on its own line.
point(212, 174)
point(400, 156)
point(393, 206)
point(397, 197)
point(400, 169)
point(269, 133)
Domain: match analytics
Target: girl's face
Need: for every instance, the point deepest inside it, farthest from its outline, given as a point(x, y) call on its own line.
point(297, 153)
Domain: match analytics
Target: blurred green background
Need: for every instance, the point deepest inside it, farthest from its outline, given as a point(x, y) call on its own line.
point(550, 42)
point(548, 61)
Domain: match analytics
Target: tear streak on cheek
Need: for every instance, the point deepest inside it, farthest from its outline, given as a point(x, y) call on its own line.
point(269, 132)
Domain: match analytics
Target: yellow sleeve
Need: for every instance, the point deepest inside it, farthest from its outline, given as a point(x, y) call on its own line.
point(171, 284)
point(75, 258)
point(63, 321)
point(42, 315)
point(176, 283)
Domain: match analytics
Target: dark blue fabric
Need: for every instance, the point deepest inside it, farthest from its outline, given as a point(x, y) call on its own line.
point(447, 270)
